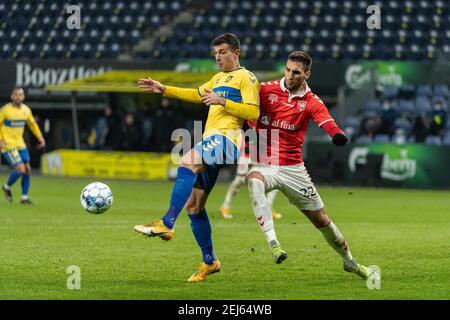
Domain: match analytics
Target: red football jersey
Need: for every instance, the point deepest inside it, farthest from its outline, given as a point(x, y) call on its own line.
point(287, 115)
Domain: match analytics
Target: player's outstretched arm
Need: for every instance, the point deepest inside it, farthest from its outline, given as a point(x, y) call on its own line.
point(151, 85)
point(241, 110)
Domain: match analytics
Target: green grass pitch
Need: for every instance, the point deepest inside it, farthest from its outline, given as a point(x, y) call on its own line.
point(404, 232)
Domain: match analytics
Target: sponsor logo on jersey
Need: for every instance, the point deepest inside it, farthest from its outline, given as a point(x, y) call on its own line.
point(302, 106)
point(273, 98)
point(228, 78)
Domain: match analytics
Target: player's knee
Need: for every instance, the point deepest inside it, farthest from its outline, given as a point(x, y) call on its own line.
point(21, 169)
point(254, 177)
point(193, 208)
point(192, 160)
point(239, 179)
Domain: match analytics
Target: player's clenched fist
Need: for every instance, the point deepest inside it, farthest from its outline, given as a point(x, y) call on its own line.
point(340, 139)
point(150, 85)
point(212, 98)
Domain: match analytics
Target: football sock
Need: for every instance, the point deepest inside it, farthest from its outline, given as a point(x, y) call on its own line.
point(232, 190)
point(262, 210)
point(201, 228)
point(336, 240)
point(180, 195)
point(26, 179)
point(13, 177)
point(271, 197)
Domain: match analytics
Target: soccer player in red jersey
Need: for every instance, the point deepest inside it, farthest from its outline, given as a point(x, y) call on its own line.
point(287, 105)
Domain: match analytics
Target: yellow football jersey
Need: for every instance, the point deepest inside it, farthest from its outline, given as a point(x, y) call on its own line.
point(238, 85)
point(12, 125)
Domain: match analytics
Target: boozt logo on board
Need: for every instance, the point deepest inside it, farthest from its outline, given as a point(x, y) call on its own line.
point(28, 76)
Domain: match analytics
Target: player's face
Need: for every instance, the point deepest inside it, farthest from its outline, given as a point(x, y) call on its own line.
point(294, 75)
point(17, 97)
point(226, 58)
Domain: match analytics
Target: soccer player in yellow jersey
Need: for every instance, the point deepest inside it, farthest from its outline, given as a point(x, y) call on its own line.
point(13, 117)
point(233, 97)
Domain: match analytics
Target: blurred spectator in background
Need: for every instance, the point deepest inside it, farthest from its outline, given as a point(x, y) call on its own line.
point(388, 117)
point(147, 129)
point(130, 134)
point(163, 126)
point(422, 126)
point(370, 125)
point(439, 118)
point(98, 135)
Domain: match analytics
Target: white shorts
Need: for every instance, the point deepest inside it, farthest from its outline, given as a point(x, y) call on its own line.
point(243, 165)
point(294, 181)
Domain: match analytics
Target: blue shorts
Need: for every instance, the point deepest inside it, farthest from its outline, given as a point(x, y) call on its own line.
point(217, 152)
point(14, 157)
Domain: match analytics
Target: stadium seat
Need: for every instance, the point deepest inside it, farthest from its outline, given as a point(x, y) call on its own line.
point(433, 140)
point(446, 139)
point(404, 125)
point(424, 90)
point(390, 92)
point(399, 138)
point(423, 104)
point(363, 139)
point(381, 138)
point(408, 32)
point(441, 90)
point(405, 107)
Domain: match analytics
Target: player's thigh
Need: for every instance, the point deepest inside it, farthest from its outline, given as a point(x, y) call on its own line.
point(192, 160)
point(14, 160)
point(266, 173)
point(206, 180)
point(196, 201)
point(299, 188)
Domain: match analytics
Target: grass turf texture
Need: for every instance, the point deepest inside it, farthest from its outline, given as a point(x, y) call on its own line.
point(404, 232)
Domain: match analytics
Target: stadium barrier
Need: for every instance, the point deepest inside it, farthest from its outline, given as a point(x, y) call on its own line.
point(380, 165)
point(108, 164)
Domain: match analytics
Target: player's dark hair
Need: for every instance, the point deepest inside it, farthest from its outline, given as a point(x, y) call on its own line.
point(17, 88)
point(301, 57)
point(229, 38)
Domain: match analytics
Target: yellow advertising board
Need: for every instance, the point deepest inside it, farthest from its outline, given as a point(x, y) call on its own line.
point(108, 164)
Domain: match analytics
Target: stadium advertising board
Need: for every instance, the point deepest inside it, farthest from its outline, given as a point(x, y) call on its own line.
point(107, 164)
point(388, 165)
point(34, 76)
point(395, 73)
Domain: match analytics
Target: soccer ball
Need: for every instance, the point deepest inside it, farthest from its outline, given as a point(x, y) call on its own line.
point(96, 198)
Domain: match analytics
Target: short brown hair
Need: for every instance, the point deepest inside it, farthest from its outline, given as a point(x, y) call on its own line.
point(17, 88)
point(229, 38)
point(302, 57)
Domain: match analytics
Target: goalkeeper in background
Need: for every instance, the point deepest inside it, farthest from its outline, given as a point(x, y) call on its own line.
point(233, 97)
point(13, 117)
